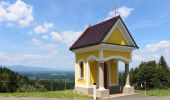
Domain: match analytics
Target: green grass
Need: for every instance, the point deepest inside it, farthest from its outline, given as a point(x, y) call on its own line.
point(68, 94)
point(155, 92)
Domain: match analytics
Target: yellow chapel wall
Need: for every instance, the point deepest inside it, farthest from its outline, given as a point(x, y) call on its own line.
point(93, 72)
point(116, 37)
point(84, 56)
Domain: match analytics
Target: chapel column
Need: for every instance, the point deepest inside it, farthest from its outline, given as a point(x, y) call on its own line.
point(101, 75)
point(127, 74)
point(101, 91)
point(127, 88)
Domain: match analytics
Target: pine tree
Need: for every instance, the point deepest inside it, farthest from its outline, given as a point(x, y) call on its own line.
point(163, 73)
point(162, 62)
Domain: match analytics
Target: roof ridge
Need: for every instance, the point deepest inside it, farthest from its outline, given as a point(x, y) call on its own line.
point(104, 22)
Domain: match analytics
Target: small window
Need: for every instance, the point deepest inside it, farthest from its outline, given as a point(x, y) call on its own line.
point(81, 65)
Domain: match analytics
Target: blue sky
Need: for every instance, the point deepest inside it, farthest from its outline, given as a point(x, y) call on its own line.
point(39, 32)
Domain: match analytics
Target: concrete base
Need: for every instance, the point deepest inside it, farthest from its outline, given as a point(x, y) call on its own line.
point(82, 90)
point(128, 90)
point(102, 93)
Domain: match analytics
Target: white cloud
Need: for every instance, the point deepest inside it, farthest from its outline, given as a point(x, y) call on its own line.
point(67, 37)
point(138, 58)
point(165, 45)
point(50, 47)
point(50, 60)
point(3, 56)
point(21, 58)
point(35, 42)
point(70, 36)
point(122, 11)
point(145, 57)
point(30, 33)
point(19, 12)
point(45, 37)
point(56, 36)
point(43, 28)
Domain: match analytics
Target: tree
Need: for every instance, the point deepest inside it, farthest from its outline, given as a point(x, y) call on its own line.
point(155, 75)
point(163, 73)
point(147, 73)
point(162, 63)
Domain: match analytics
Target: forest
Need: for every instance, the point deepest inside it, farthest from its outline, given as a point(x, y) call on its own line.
point(11, 82)
point(150, 74)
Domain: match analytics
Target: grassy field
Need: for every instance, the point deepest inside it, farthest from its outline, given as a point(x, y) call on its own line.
point(68, 94)
point(155, 92)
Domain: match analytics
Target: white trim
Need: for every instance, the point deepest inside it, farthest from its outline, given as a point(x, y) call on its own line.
point(100, 53)
point(124, 37)
point(117, 58)
point(91, 58)
point(103, 46)
point(80, 60)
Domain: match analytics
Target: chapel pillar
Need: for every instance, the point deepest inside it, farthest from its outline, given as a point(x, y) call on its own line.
point(101, 91)
point(127, 88)
point(101, 75)
point(127, 75)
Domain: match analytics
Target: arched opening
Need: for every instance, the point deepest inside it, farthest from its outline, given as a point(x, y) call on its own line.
point(116, 66)
point(81, 70)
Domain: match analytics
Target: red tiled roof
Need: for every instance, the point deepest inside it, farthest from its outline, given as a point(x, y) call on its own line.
point(94, 34)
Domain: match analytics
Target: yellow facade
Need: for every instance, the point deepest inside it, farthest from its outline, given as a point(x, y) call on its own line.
point(116, 37)
point(84, 57)
point(94, 67)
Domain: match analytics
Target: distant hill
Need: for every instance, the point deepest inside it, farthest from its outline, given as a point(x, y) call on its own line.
point(22, 68)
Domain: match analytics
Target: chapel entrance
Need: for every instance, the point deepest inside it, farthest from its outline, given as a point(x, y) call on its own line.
point(105, 76)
